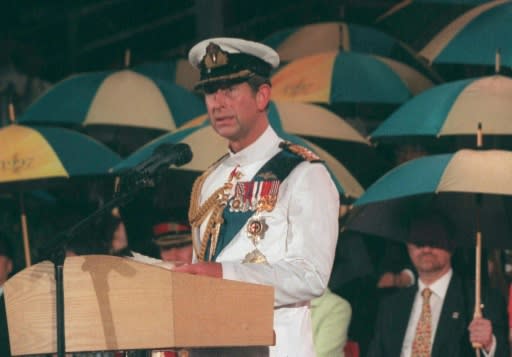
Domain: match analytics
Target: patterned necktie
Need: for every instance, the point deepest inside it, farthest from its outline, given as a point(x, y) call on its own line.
point(421, 342)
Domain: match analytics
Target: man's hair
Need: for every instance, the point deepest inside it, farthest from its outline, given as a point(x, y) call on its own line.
point(255, 82)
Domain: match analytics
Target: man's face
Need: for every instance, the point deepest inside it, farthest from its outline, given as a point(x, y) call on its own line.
point(235, 112)
point(179, 256)
point(429, 260)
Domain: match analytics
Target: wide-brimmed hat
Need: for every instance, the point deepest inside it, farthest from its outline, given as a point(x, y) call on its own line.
point(431, 228)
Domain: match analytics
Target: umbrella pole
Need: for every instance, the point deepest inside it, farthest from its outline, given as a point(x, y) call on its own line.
point(478, 270)
point(23, 215)
point(24, 230)
point(478, 249)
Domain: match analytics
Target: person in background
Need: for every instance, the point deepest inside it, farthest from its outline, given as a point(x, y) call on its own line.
point(174, 242)
point(395, 267)
point(330, 315)
point(266, 212)
point(435, 317)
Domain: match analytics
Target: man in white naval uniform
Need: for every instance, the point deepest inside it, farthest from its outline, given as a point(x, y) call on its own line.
point(275, 206)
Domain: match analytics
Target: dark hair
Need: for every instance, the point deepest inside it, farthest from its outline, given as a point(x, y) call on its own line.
point(255, 82)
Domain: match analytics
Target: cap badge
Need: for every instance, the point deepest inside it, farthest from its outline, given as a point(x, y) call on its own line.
point(215, 57)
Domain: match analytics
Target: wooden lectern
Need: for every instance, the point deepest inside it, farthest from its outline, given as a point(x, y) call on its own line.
point(114, 303)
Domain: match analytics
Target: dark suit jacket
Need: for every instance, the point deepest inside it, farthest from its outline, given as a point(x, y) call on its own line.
point(4, 333)
point(452, 336)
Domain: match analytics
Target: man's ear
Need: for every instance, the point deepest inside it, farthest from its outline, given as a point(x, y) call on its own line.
point(263, 96)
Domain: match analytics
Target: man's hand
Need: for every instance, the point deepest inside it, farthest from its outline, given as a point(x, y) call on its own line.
point(387, 280)
point(209, 269)
point(480, 331)
point(391, 280)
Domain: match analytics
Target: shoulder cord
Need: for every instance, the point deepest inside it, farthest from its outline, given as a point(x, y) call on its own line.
point(215, 205)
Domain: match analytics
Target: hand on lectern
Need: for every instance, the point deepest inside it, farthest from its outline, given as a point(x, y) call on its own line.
point(202, 268)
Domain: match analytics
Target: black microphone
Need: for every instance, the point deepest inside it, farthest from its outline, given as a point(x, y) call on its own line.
point(164, 156)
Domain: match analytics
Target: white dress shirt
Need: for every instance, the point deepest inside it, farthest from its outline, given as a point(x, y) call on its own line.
point(299, 244)
point(438, 288)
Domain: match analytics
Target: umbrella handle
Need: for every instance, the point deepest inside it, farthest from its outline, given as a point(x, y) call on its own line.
point(478, 270)
point(24, 231)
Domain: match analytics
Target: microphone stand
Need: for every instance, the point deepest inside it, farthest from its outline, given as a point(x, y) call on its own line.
point(55, 252)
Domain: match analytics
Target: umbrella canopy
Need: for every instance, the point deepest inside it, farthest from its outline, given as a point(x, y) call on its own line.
point(454, 109)
point(33, 157)
point(43, 154)
point(473, 188)
point(208, 146)
point(417, 21)
point(347, 77)
point(312, 121)
point(178, 71)
point(474, 37)
point(114, 100)
point(297, 42)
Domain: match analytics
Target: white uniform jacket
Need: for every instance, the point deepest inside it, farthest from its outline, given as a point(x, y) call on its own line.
point(299, 243)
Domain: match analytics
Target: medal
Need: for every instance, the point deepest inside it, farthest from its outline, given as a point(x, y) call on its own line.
point(255, 257)
point(256, 228)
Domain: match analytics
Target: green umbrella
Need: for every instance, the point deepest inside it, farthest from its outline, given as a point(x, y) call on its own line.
point(453, 112)
point(347, 77)
point(112, 104)
point(35, 157)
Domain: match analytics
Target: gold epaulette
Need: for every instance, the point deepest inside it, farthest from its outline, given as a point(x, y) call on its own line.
point(301, 151)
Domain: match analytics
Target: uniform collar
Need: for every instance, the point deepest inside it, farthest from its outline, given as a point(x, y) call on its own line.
point(265, 146)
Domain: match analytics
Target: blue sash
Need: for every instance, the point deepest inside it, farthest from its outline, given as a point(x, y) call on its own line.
point(280, 166)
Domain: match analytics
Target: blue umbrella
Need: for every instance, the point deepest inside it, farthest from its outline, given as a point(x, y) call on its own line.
point(177, 70)
point(296, 42)
point(474, 37)
point(453, 109)
point(469, 186)
point(120, 107)
point(347, 77)
point(417, 21)
point(35, 157)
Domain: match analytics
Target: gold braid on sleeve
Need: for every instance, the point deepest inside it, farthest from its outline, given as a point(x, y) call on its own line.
point(212, 207)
